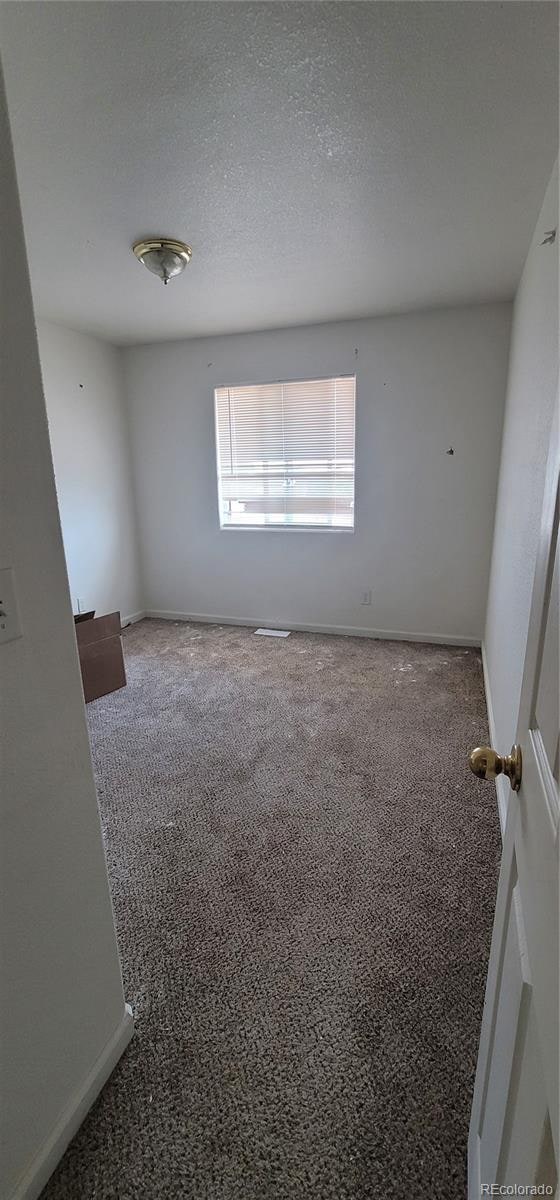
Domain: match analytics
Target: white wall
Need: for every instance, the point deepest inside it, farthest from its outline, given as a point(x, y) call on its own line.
point(424, 519)
point(63, 1020)
point(82, 378)
point(532, 394)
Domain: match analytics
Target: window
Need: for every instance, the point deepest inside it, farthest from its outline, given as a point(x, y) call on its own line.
point(286, 454)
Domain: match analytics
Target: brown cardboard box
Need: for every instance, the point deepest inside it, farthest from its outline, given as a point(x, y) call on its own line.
point(101, 656)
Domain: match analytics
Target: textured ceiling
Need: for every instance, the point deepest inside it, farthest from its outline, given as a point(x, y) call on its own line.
point(324, 160)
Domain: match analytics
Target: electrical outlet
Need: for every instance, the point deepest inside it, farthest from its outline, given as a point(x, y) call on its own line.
point(366, 597)
point(81, 605)
point(10, 628)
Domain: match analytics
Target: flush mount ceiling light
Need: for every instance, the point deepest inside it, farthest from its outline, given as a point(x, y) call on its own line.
point(165, 257)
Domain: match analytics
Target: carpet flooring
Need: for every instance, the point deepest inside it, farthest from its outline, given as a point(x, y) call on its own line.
point(303, 871)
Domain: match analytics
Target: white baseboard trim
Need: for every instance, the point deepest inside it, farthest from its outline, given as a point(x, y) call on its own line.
point(445, 639)
point(502, 787)
point(49, 1154)
point(137, 616)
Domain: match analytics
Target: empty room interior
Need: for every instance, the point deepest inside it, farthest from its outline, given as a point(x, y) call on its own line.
point(279, 600)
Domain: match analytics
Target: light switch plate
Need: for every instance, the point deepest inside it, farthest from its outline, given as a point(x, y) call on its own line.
point(10, 627)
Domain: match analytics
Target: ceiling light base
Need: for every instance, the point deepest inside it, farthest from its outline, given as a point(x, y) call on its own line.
point(164, 257)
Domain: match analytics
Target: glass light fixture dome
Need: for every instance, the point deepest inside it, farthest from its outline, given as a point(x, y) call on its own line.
point(165, 257)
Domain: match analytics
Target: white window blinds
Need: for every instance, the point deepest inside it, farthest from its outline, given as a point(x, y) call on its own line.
point(286, 454)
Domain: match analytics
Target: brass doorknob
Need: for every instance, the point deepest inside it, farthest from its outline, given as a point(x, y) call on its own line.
point(486, 764)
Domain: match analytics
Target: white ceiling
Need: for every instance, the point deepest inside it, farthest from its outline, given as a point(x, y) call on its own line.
point(325, 160)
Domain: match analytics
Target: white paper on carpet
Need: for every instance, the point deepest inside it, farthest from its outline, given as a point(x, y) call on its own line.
point(273, 632)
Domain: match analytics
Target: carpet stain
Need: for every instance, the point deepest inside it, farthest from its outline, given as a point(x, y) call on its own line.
point(303, 872)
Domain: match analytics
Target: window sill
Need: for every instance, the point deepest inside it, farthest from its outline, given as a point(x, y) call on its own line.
point(286, 529)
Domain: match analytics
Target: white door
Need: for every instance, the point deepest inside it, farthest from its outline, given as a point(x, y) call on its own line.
point(514, 1134)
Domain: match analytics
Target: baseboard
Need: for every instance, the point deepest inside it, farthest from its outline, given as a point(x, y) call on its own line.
point(43, 1164)
point(445, 639)
point(137, 616)
point(502, 787)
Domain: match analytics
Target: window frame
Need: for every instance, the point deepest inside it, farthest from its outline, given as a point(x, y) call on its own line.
point(283, 528)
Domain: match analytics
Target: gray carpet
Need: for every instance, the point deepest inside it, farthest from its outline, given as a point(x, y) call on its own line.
point(303, 871)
